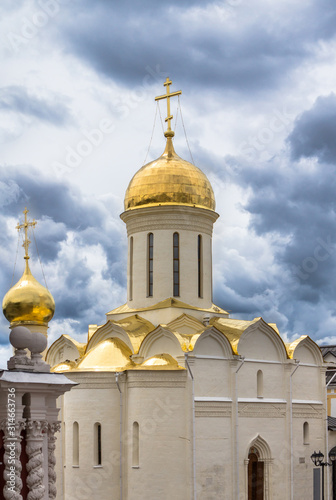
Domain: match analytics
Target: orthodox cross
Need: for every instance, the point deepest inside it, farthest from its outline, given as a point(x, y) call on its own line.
point(25, 227)
point(169, 132)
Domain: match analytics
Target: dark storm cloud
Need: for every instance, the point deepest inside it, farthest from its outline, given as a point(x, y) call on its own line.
point(298, 204)
point(47, 196)
point(227, 298)
point(59, 207)
point(130, 41)
point(239, 292)
point(292, 208)
point(74, 300)
point(62, 212)
point(296, 211)
point(314, 133)
point(114, 244)
point(18, 100)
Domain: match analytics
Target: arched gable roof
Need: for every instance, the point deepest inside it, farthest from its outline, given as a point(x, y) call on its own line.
point(186, 324)
point(232, 329)
point(161, 340)
point(305, 343)
point(131, 330)
point(108, 331)
point(64, 348)
point(137, 328)
point(237, 331)
point(212, 342)
point(274, 339)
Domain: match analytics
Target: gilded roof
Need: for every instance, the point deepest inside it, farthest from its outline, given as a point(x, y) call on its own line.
point(79, 345)
point(170, 302)
point(137, 329)
point(232, 329)
point(169, 180)
point(291, 346)
point(134, 326)
point(28, 301)
point(112, 354)
point(64, 366)
point(160, 362)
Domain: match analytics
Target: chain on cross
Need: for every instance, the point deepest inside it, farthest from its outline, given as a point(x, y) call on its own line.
point(169, 132)
point(25, 227)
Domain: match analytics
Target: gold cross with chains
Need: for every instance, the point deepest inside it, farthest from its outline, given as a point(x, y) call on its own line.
point(169, 132)
point(25, 226)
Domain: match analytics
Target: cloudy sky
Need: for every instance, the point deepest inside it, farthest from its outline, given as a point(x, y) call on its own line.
point(78, 81)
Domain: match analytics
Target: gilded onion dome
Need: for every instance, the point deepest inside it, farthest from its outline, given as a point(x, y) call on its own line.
point(169, 180)
point(28, 301)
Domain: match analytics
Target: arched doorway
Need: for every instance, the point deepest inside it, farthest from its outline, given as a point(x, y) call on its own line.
point(258, 470)
point(255, 475)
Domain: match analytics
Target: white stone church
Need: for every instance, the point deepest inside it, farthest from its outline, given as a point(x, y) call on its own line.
point(175, 399)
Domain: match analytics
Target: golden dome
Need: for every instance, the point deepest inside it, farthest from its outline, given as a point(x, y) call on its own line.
point(169, 180)
point(28, 301)
point(64, 366)
point(160, 362)
point(110, 355)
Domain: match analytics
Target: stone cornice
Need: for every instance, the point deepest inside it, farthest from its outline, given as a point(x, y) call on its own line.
point(169, 217)
point(157, 378)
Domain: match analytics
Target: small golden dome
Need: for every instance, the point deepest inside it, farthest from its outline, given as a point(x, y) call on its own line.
point(169, 180)
point(64, 366)
point(160, 362)
point(28, 301)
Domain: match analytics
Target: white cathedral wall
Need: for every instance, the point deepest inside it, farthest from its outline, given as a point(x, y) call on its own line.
point(163, 269)
point(271, 425)
point(212, 378)
point(216, 450)
point(309, 383)
point(274, 380)
point(161, 402)
point(214, 465)
point(96, 399)
point(163, 222)
point(158, 403)
point(303, 467)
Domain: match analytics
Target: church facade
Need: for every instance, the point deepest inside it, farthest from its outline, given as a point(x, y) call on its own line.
point(175, 399)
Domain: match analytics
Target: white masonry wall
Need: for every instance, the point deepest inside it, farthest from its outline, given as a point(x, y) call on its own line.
point(163, 222)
